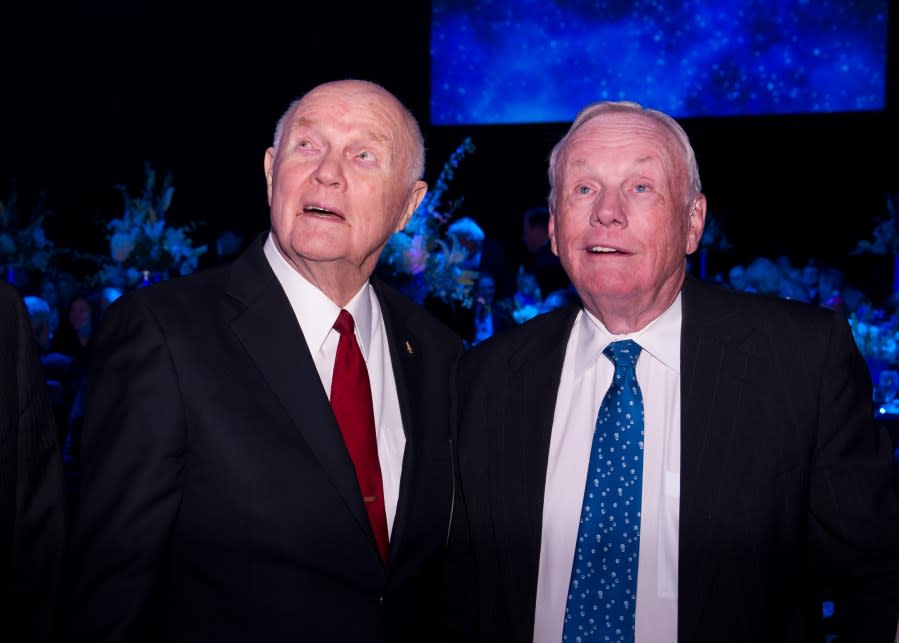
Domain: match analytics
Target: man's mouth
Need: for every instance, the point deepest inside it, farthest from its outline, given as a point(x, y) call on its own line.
point(321, 211)
point(602, 250)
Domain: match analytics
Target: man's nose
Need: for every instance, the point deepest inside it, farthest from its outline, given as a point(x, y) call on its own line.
point(607, 210)
point(329, 171)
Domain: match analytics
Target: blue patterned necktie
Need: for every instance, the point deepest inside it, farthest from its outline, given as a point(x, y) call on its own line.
point(602, 593)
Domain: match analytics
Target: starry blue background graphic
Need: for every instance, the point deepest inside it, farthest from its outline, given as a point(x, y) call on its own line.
point(527, 61)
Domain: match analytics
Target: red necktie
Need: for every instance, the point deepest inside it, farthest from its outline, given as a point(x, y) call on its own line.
point(351, 401)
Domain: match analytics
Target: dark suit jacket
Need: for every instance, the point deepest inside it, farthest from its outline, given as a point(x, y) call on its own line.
point(32, 504)
point(218, 500)
point(785, 479)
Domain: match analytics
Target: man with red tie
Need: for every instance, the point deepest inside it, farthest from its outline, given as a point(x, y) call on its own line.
point(266, 449)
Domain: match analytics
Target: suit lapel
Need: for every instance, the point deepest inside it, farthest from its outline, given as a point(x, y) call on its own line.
point(517, 479)
point(406, 354)
point(715, 353)
point(268, 329)
point(406, 357)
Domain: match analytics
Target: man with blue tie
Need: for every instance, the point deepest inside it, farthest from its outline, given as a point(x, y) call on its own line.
point(666, 461)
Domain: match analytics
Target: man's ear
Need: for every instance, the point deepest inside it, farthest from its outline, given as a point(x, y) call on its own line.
point(269, 164)
point(696, 223)
point(415, 197)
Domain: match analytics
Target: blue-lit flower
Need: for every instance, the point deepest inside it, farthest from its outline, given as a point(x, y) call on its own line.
point(24, 245)
point(423, 254)
point(121, 245)
point(142, 242)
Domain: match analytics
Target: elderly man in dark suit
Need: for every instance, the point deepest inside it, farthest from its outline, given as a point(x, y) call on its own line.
point(667, 461)
point(266, 451)
point(32, 502)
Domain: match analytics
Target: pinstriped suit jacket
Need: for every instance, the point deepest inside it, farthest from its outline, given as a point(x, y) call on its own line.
point(785, 478)
point(32, 518)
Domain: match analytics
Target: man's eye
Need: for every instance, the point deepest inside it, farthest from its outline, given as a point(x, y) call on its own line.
point(304, 144)
point(583, 189)
point(641, 187)
point(365, 155)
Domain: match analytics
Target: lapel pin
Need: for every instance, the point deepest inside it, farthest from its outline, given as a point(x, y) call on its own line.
point(409, 348)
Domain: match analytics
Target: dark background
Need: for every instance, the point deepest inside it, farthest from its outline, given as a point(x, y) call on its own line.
point(90, 92)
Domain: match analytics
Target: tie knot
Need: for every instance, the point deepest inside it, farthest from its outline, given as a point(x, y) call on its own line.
point(344, 324)
point(623, 353)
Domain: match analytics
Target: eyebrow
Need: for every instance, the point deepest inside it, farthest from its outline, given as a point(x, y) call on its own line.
point(300, 121)
point(392, 147)
point(389, 145)
point(637, 162)
point(303, 121)
point(380, 138)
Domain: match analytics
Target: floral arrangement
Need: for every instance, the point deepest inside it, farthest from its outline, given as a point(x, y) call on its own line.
point(527, 301)
point(886, 235)
point(874, 328)
point(24, 246)
point(143, 246)
point(422, 258)
point(876, 333)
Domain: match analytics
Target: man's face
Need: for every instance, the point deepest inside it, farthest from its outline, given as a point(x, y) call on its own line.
point(621, 226)
point(79, 314)
point(534, 236)
point(339, 184)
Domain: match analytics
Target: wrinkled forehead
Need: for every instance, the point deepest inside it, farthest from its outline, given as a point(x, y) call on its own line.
point(633, 135)
point(628, 130)
point(355, 106)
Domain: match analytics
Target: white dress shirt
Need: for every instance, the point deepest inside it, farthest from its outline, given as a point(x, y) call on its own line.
point(586, 376)
point(316, 315)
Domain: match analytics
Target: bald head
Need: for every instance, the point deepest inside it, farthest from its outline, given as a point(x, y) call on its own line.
point(342, 177)
point(410, 149)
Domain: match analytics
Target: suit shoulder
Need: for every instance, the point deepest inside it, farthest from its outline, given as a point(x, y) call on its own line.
point(12, 305)
point(178, 298)
point(770, 303)
point(415, 316)
point(8, 294)
point(758, 310)
point(544, 329)
point(17, 346)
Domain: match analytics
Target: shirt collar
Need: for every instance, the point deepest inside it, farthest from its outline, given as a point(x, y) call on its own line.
point(314, 311)
point(660, 338)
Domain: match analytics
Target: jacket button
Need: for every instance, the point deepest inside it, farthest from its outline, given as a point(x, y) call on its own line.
point(380, 600)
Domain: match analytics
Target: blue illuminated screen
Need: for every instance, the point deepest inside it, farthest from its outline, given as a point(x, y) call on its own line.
point(526, 61)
